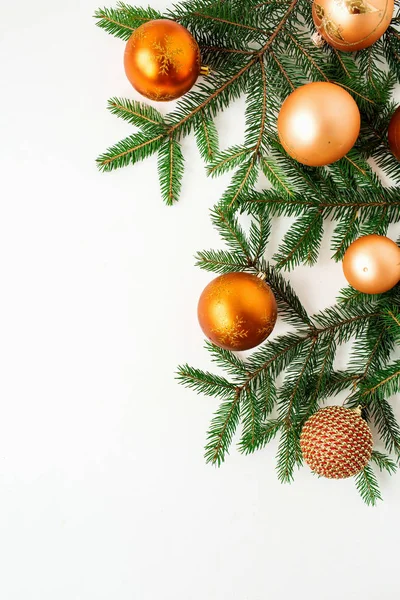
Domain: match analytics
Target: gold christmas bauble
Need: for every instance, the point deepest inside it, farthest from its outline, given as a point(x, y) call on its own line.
point(351, 25)
point(336, 442)
point(371, 264)
point(162, 60)
point(394, 133)
point(318, 123)
point(237, 311)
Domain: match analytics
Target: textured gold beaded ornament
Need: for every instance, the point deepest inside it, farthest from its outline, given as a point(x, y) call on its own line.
point(336, 442)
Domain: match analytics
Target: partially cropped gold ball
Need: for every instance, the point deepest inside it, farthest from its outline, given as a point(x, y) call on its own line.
point(394, 133)
point(318, 123)
point(371, 264)
point(237, 311)
point(351, 25)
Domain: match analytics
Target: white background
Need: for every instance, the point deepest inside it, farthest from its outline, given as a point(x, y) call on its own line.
point(104, 493)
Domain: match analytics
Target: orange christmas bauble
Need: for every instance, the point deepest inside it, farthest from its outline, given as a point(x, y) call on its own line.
point(351, 25)
point(394, 133)
point(162, 60)
point(371, 264)
point(336, 442)
point(237, 311)
point(318, 123)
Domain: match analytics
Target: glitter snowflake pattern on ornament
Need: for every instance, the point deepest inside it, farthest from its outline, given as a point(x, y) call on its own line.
point(267, 326)
point(167, 55)
point(218, 290)
point(356, 7)
point(158, 95)
point(140, 33)
point(332, 29)
point(231, 334)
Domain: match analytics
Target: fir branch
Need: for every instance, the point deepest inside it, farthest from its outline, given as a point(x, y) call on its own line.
point(260, 230)
point(276, 176)
point(392, 321)
point(227, 50)
point(301, 242)
point(290, 308)
point(251, 421)
point(244, 178)
point(386, 382)
point(136, 113)
point(130, 150)
point(264, 50)
point(346, 231)
point(204, 383)
point(384, 462)
point(282, 70)
point(320, 379)
point(182, 123)
point(289, 454)
point(367, 486)
point(207, 138)
point(232, 233)
point(123, 20)
point(220, 261)
point(267, 394)
point(266, 432)
point(228, 159)
point(226, 360)
point(235, 24)
point(386, 423)
point(170, 170)
point(222, 429)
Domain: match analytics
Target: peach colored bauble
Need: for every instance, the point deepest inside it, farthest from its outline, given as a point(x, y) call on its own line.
point(162, 60)
point(336, 442)
point(237, 311)
point(318, 123)
point(351, 25)
point(394, 133)
point(371, 264)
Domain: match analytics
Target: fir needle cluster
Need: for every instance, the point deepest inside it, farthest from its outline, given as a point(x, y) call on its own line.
point(264, 50)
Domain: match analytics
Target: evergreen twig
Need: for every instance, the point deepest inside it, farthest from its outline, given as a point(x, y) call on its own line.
point(263, 50)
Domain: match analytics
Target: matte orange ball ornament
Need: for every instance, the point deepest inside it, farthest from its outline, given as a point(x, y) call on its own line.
point(162, 60)
point(336, 442)
point(237, 311)
point(371, 264)
point(351, 25)
point(394, 133)
point(318, 123)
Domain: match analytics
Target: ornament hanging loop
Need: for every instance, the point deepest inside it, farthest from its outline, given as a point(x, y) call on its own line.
point(318, 40)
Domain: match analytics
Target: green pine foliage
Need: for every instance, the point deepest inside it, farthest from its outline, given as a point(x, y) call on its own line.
point(282, 383)
point(264, 51)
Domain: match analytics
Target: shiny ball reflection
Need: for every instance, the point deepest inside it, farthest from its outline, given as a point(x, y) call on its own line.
point(371, 264)
point(318, 123)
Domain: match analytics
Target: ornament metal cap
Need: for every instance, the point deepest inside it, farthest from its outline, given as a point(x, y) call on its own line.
point(204, 70)
point(318, 40)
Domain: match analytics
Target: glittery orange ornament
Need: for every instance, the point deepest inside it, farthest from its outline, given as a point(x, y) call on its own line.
point(336, 442)
point(351, 25)
point(318, 123)
point(237, 311)
point(371, 264)
point(394, 133)
point(162, 60)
